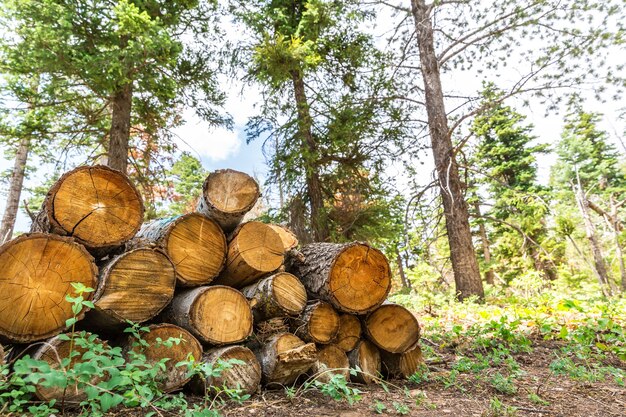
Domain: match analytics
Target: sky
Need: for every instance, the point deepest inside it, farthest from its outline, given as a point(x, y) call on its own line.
point(221, 148)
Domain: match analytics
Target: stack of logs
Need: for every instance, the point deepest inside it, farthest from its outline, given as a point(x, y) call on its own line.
point(230, 290)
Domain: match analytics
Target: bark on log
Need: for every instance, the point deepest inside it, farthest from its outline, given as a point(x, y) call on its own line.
point(254, 250)
point(284, 357)
point(173, 377)
point(53, 352)
point(217, 315)
point(37, 273)
point(1, 355)
point(349, 333)
point(331, 360)
point(366, 357)
point(289, 239)
point(318, 323)
point(246, 376)
point(401, 365)
point(278, 295)
point(133, 286)
point(227, 195)
point(194, 243)
point(98, 206)
point(353, 277)
point(392, 328)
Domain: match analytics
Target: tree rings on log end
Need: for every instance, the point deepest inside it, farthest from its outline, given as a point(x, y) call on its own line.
point(402, 365)
point(349, 333)
point(393, 328)
point(97, 205)
point(331, 360)
point(289, 239)
point(254, 250)
point(227, 195)
point(174, 377)
point(134, 286)
point(365, 357)
point(37, 273)
point(360, 279)
point(278, 295)
point(318, 323)
point(244, 376)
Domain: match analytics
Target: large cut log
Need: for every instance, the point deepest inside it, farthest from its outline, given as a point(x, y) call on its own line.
point(353, 277)
point(289, 239)
point(318, 323)
point(365, 357)
point(278, 295)
point(349, 333)
point(167, 341)
point(254, 250)
point(227, 195)
point(195, 244)
point(331, 360)
point(284, 357)
point(392, 328)
point(217, 315)
point(53, 352)
point(245, 376)
point(401, 365)
point(133, 286)
point(36, 273)
point(97, 205)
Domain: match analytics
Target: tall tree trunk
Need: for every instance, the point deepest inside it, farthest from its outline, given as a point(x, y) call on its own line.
point(464, 262)
point(590, 231)
point(405, 282)
point(120, 128)
point(484, 239)
point(15, 190)
point(313, 184)
point(618, 247)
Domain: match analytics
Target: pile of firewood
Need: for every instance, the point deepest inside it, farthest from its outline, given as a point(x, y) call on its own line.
point(230, 290)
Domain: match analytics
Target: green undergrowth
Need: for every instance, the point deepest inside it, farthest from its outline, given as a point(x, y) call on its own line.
point(582, 335)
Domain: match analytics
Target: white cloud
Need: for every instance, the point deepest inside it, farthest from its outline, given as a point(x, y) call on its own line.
point(216, 144)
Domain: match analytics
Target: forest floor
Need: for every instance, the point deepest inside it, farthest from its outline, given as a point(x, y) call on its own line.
point(541, 352)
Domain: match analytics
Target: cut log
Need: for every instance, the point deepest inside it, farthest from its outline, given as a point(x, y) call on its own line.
point(254, 250)
point(392, 328)
point(353, 277)
point(245, 376)
point(133, 286)
point(37, 273)
point(278, 295)
point(365, 357)
point(216, 315)
point(98, 206)
point(195, 244)
point(331, 360)
point(284, 357)
point(53, 352)
point(318, 323)
point(349, 333)
point(227, 195)
point(402, 365)
point(161, 344)
point(289, 239)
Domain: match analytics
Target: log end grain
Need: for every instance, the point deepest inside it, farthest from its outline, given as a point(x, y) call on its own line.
point(331, 360)
point(255, 249)
point(349, 333)
point(289, 293)
point(402, 365)
point(319, 323)
point(37, 273)
point(365, 357)
point(289, 239)
point(197, 246)
point(284, 358)
point(221, 315)
point(159, 347)
point(392, 328)
point(97, 205)
point(134, 286)
point(245, 376)
point(360, 278)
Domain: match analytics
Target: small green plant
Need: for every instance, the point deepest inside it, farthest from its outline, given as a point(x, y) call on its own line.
point(379, 407)
point(499, 409)
point(338, 389)
point(535, 398)
point(401, 408)
point(503, 384)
